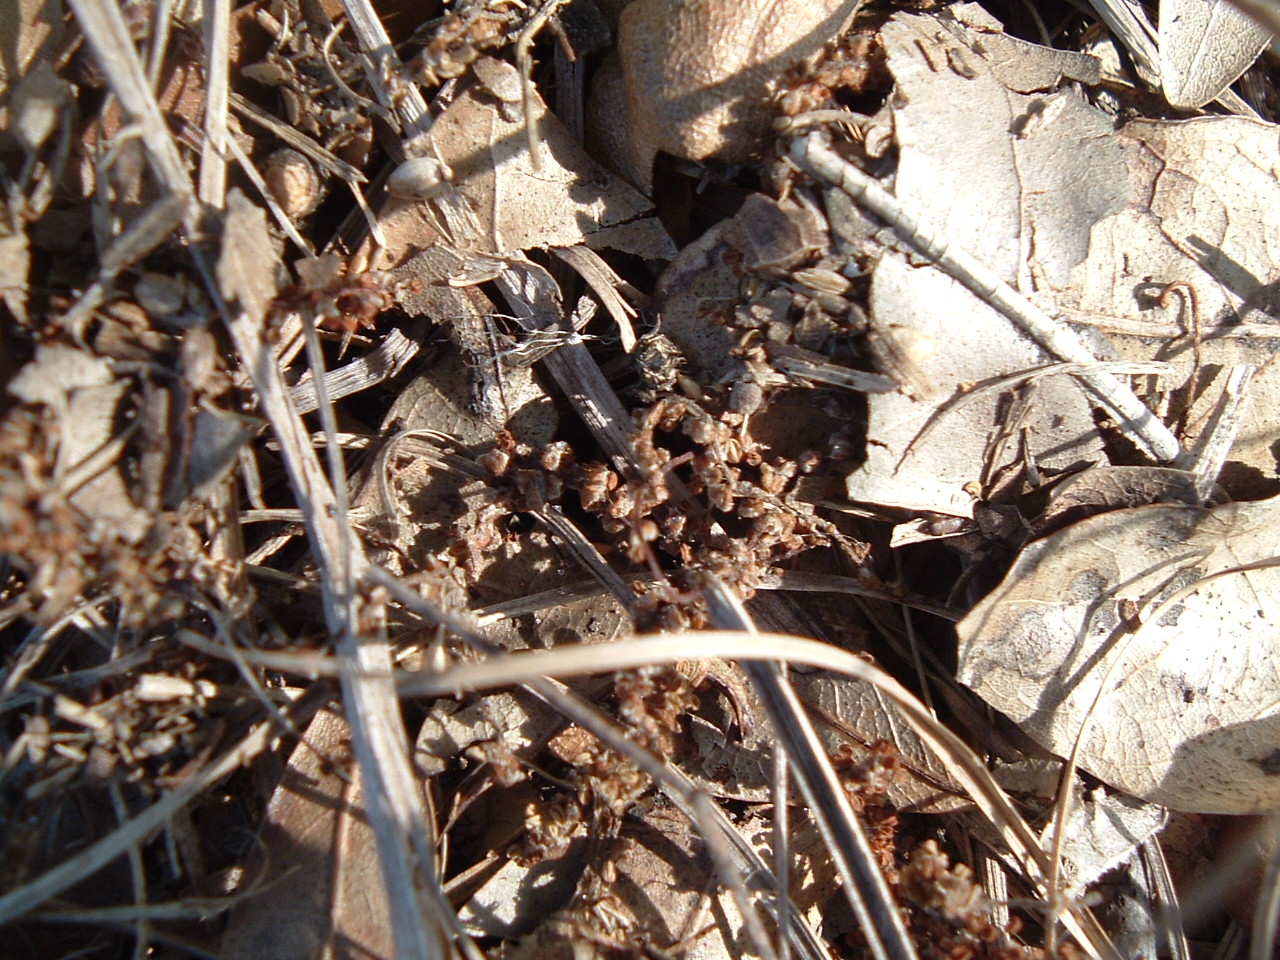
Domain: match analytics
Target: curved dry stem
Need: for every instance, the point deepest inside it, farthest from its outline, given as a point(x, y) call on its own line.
point(965, 766)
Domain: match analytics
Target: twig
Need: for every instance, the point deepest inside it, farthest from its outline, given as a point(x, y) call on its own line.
point(103, 26)
point(217, 68)
point(813, 155)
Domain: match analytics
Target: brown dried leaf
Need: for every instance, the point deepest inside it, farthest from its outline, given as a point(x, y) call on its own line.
point(318, 888)
point(249, 262)
point(699, 83)
point(568, 199)
point(30, 34)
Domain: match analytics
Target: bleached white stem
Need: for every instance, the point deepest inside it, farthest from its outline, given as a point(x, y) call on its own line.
point(812, 154)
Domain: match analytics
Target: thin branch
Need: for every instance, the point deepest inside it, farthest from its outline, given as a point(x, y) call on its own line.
point(814, 155)
point(217, 69)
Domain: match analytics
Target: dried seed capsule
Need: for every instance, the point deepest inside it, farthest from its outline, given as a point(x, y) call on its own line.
point(419, 178)
point(293, 182)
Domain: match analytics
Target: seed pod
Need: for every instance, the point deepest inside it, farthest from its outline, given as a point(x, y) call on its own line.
point(419, 178)
point(293, 182)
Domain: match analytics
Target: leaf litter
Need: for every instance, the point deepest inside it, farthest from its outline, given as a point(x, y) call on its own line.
point(295, 477)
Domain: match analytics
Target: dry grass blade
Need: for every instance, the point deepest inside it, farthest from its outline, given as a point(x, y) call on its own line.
point(533, 293)
point(300, 142)
point(816, 158)
point(213, 160)
point(108, 37)
point(865, 886)
point(373, 38)
point(585, 552)
point(606, 284)
point(1167, 911)
point(368, 370)
point(277, 212)
point(1129, 22)
point(738, 865)
point(407, 102)
point(965, 766)
point(396, 808)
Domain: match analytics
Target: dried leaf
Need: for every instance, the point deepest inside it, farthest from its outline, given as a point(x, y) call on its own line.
point(15, 264)
point(1214, 205)
point(30, 34)
point(521, 895)
point(56, 372)
point(320, 896)
point(699, 83)
point(569, 199)
point(1103, 830)
point(1097, 224)
point(1187, 714)
point(1204, 47)
point(249, 263)
point(1050, 181)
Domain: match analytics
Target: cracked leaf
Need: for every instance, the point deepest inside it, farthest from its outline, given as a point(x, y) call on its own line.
point(1090, 223)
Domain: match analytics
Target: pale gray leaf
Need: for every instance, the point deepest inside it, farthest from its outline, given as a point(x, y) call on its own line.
point(1204, 47)
point(1187, 707)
